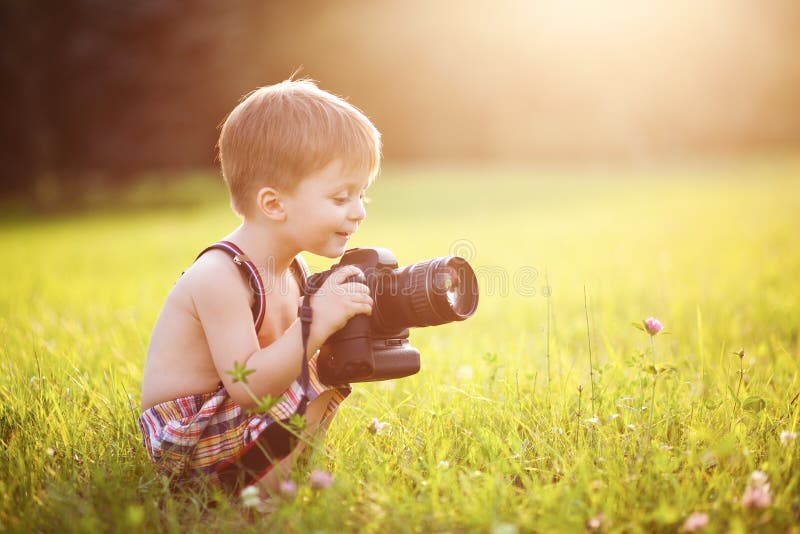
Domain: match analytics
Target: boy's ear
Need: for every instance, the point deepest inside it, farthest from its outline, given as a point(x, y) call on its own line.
point(270, 203)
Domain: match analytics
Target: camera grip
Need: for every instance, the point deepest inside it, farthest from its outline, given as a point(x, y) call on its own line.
point(348, 357)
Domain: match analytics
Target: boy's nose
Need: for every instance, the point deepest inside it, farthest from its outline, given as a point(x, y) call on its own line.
point(358, 213)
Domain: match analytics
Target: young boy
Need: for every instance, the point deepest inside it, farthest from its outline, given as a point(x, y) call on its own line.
point(297, 161)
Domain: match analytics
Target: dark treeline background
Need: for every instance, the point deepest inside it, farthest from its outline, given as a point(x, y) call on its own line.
point(98, 92)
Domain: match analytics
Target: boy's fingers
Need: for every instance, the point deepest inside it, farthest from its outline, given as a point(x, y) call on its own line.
point(354, 288)
point(346, 289)
point(343, 273)
point(360, 299)
point(363, 308)
point(363, 298)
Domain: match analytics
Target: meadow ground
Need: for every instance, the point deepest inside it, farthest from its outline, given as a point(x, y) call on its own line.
point(505, 429)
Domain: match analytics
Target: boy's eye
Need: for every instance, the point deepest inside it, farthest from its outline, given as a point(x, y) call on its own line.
point(344, 200)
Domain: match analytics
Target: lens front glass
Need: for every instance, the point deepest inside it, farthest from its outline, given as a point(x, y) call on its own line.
point(454, 280)
point(446, 282)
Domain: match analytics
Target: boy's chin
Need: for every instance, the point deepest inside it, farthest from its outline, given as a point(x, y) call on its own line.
point(331, 252)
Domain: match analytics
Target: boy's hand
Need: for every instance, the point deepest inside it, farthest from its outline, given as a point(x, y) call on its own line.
point(337, 301)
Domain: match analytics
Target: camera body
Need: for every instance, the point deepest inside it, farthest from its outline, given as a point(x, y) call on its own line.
point(371, 348)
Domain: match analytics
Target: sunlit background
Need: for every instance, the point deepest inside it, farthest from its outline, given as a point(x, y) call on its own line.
point(101, 93)
point(597, 162)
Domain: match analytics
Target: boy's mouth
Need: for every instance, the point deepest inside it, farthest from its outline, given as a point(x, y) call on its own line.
point(343, 234)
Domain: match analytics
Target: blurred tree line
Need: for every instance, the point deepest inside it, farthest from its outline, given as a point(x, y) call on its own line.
point(98, 92)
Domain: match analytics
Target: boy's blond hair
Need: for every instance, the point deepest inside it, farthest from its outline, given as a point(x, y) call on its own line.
point(279, 134)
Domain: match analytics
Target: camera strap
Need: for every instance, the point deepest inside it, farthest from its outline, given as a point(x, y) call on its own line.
point(306, 314)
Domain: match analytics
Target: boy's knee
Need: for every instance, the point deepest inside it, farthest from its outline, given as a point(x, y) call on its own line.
point(318, 412)
point(318, 407)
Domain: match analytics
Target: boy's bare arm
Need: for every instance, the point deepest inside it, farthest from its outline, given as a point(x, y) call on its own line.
point(222, 304)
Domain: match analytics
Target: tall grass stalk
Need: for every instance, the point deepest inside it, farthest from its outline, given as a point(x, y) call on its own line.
point(547, 338)
point(653, 392)
point(589, 340)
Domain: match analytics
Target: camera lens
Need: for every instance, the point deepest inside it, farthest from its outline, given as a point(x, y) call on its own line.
point(452, 289)
point(433, 292)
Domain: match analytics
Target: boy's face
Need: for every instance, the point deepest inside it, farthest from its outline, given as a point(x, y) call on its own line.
point(325, 209)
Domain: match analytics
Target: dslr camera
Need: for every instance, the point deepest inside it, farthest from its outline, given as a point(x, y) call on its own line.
point(376, 347)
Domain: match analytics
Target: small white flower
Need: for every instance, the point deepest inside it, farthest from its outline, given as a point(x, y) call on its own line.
point(249, 491)
point(250, 497)
point(593, 420)
point(50, 451)
point(596, 522)
point(787, 438)
point(464, 373)
point(757, 478)
point(376, 427)
point(444, 464)
point(504, 528)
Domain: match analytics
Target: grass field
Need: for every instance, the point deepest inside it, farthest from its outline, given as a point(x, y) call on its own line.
point(505, 429)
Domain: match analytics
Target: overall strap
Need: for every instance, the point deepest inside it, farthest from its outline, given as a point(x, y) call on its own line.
point(299, 268)
point(243, 262)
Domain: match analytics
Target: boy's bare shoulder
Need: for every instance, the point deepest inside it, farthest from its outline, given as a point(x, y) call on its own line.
point(202, 313)
point(215, 278)
point(212, 263)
